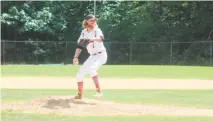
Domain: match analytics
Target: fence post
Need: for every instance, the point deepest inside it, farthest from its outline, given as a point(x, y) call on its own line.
point(66, 53)
point(170, 53)
point(211, 56)
point(37, 57)
point(130, 55)
point(3, 52)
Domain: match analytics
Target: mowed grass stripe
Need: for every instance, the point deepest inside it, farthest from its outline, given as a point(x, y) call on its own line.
point(18, 116)
point(123, 71)
point(187, 98)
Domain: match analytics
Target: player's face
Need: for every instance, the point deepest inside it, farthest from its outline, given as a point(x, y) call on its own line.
point(91, 22)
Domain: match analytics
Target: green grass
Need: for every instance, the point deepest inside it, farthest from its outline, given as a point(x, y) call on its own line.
point(188, 98)
point(136, 71)
point(17, 116)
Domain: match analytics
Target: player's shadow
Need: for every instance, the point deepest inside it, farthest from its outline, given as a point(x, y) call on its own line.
point(65, 103)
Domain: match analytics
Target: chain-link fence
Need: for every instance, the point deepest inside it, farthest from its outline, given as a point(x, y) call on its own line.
point(52, 52)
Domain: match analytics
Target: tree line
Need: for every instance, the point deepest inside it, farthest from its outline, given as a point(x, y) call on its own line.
point(121, 21)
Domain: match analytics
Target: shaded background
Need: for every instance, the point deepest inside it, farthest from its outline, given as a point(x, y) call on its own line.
point(140, 32)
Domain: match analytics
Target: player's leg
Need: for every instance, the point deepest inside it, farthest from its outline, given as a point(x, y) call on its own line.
point(100, 60)
point(93, 73)
point(80, 76)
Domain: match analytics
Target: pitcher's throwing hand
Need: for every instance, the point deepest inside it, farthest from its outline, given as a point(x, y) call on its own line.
point(75, 61)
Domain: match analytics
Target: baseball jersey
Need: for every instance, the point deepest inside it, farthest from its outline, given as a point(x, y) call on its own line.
point(93, 47)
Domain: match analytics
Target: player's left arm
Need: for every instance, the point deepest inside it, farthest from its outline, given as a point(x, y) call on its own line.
point(99, 36)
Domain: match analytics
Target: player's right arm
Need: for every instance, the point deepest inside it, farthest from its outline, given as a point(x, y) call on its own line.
point(78, 50)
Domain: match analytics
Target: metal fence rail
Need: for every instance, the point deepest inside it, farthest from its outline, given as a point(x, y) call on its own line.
point(47, 52)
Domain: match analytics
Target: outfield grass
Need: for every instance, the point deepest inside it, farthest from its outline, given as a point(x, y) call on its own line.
point(188, 98)
point(193, 72)
point(17, 116)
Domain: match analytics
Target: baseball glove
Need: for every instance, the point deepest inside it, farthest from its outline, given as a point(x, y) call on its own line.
point(75, 61)
point(84, 42)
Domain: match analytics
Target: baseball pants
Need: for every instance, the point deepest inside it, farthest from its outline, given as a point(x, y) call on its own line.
point(91, 65)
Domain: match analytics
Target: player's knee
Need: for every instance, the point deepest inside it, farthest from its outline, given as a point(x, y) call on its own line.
point(92, 73)
point(79, 77)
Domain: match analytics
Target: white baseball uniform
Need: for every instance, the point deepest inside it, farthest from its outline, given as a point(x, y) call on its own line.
point(97, 51)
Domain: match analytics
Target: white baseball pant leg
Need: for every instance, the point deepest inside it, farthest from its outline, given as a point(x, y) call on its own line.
point(91, 65)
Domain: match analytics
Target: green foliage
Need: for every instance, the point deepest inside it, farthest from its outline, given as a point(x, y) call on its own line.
point(121, 21)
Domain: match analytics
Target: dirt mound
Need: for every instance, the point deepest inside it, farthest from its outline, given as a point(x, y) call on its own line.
point(68, 106)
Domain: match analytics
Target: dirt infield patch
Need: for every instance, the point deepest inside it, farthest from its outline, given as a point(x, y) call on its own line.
point(67, 106)
point(106, 83)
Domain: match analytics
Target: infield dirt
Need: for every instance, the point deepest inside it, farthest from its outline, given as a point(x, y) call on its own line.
point(93, 107)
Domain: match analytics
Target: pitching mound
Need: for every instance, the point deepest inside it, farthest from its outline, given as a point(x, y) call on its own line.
point(68, 106)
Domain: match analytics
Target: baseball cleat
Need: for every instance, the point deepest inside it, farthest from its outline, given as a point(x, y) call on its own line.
point(98, 95)
point(78, 96)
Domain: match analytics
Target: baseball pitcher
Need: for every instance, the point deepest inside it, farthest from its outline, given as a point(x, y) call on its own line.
point(92, 39)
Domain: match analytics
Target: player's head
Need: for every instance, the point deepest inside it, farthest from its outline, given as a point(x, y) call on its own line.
point(90, 21)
